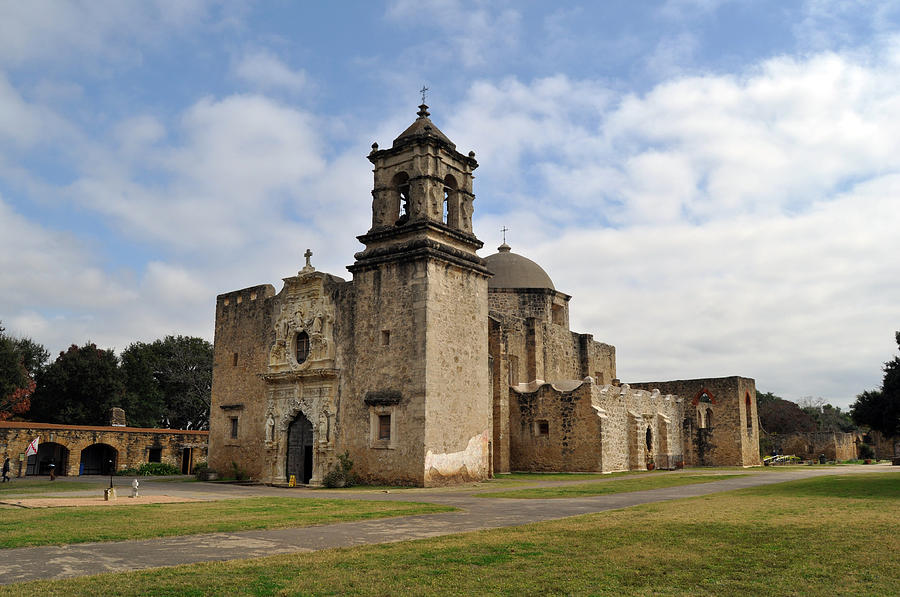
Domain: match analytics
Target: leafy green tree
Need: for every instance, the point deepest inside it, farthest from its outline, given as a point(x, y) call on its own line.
point(880, 409)
point(169, 381)
point(79, 387)
point(20, 359)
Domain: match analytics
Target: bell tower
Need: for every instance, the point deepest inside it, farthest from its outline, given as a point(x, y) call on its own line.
point(420, 368)
point(423, 187)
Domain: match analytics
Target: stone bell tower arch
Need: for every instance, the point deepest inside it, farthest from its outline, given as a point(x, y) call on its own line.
point(421, 380)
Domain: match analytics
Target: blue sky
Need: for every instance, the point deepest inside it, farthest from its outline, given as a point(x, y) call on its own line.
point(716, 183)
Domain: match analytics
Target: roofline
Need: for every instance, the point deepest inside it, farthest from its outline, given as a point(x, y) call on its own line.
point(31, 425)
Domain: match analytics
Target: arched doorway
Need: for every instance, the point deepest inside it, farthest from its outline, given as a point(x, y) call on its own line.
point(300, 450)
point(48, 453)
point(98, 459)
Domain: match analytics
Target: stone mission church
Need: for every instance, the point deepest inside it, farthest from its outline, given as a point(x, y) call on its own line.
point(434, 366)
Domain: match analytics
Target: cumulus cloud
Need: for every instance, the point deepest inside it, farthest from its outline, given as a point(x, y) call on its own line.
point(716, 225)
point(471, 33)
point(59, 30)
point(263, 70)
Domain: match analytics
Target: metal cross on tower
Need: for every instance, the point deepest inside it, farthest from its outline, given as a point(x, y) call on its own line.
point(503, 230)
point(423, 91)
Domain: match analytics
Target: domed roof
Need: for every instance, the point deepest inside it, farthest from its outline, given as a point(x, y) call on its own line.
point(422, 127)
point(514, 271)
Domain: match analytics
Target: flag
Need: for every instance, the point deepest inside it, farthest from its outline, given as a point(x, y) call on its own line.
point(32, 447)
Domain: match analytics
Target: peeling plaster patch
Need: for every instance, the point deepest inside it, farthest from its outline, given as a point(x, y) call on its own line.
point(471, 463)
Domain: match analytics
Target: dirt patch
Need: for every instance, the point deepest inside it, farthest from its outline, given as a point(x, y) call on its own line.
point(94, 501)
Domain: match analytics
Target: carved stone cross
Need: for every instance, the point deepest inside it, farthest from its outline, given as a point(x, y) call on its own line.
point(308, 267)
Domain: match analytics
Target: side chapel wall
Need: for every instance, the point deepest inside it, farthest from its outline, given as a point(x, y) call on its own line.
point(243, 328)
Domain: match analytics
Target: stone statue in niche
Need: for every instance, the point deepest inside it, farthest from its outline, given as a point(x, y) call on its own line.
point(323, 426)
point(270, 427)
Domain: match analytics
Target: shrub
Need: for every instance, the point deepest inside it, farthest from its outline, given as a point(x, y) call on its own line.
point(238, 473)
point(150, 469)
point(341, 475)
point(866, 451)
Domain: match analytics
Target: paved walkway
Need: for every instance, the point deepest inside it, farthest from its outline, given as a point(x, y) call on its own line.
point(22, 564)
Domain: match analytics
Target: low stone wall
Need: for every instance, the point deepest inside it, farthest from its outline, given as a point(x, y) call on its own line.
point(129, 447)
point(810, 446)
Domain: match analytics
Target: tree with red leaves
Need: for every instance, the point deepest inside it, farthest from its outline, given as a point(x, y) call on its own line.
point(20, 359)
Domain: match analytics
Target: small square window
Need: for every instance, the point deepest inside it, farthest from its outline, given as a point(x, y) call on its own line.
point(384, 427)
point(543, 427)
point(234, 427)
point(385, 337)
point(155, 455)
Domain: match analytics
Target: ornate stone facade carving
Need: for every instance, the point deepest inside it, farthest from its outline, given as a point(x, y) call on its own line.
point(305, 308)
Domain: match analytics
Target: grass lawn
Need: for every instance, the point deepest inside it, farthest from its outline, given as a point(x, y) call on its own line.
point(836, 535)
point(56, 526)
point(35, 486)
point(602, 487)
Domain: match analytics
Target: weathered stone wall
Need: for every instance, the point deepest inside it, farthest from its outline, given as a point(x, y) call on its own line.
point(132, 444)
point(809, 446)
point(627, 415)
point(458, 407)
point(580, 426)
point(885, 447)
point(382, 355)
point(553, 427)
point(731, 437)
point(244, 334)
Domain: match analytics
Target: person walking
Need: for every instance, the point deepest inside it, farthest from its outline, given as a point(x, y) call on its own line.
point(6, 470)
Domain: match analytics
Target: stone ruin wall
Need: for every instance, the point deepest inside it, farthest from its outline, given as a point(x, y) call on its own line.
point(591, 427)
point(626, 415)
point(809, 446)
point(733, 437)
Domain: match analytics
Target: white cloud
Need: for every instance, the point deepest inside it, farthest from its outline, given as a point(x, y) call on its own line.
point(59, 31)
point(472, 33)
point(239, 161)
point(753, 214)
point(263, 70)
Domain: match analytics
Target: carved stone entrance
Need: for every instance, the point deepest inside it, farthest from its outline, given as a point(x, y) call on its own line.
point(300, 450)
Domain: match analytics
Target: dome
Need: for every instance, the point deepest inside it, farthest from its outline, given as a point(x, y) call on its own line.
point(422, 127)
point(514, 271)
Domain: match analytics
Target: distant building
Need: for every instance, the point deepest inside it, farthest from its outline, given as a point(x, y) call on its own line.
point(96, 449)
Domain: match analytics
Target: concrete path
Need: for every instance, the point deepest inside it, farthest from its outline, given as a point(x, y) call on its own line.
point(18, 565)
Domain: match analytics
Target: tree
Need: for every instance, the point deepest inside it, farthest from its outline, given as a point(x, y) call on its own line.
point(880, 409)
point(777, 415)
point(826, 416)
point(20, 359)
point(169, 381)
point(79, 387)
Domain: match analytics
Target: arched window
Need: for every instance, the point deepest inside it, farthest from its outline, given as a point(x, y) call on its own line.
point(450, 215)
point(649, 440)
point(400, 183)
point(749, 409)
point(302, 347)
